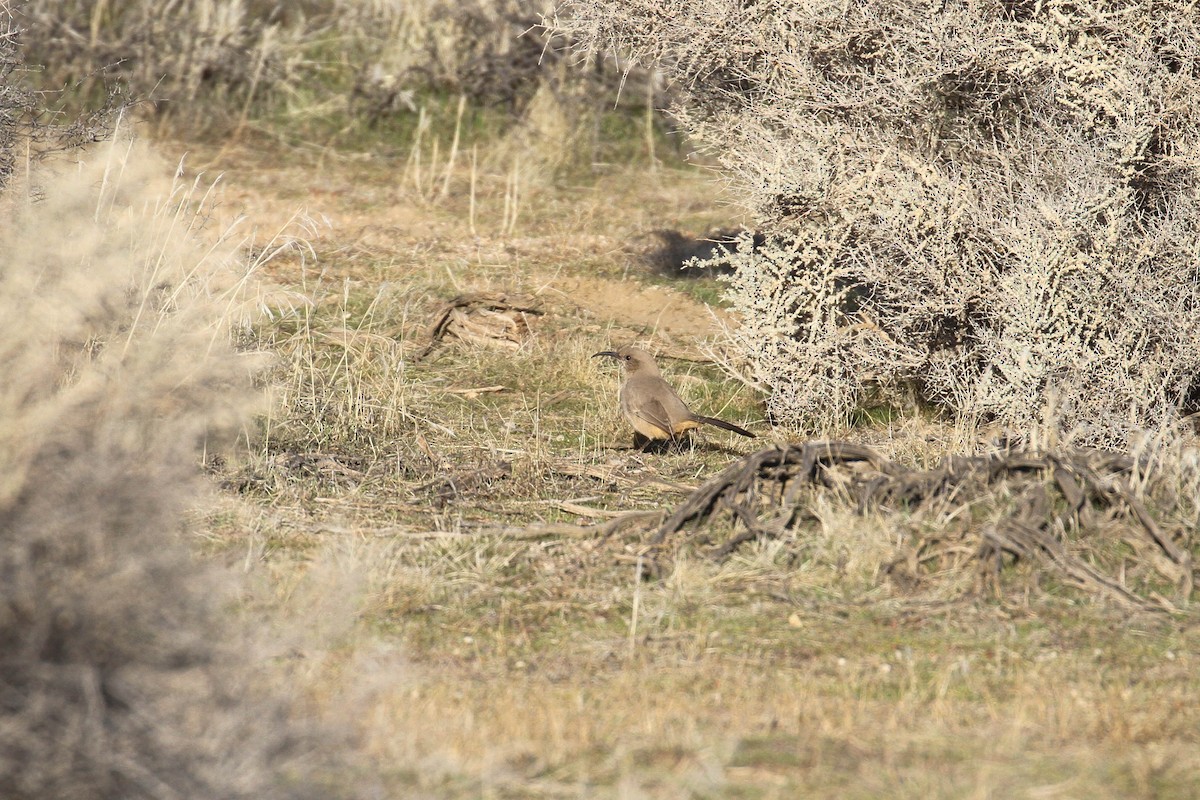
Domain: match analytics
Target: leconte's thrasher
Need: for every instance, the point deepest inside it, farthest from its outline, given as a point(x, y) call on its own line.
point(654, 409)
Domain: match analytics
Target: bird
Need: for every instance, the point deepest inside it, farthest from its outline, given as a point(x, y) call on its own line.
point(656, 411)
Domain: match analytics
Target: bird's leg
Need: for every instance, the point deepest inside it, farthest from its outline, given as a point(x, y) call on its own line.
point(683, 441)
point(648, 445)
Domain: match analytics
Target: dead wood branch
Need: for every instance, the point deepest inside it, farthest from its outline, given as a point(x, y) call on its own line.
point(1052, 494)
point(786, 465)
point(487, 319)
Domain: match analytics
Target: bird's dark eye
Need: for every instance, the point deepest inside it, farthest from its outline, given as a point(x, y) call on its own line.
point(629, 358)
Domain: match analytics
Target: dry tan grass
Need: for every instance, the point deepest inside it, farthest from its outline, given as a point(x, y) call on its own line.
point(520, 678)
point(486, 642)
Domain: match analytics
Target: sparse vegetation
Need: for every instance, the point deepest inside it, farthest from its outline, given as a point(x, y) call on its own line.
point(430, 533)
point(346, 74)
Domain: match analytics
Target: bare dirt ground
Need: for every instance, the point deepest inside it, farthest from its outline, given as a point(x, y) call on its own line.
point(435, 529)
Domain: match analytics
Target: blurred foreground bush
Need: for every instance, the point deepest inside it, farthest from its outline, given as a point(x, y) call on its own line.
point(121, 676)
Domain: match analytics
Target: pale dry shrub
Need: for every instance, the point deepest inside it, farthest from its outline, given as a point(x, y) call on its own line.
point(426, 74)
point(213, 62)
point(994, 202)
point(120, 676)
point(29, 128)
point(493, 54)
point(492, 51)
point(199, 56)
point(13, 98)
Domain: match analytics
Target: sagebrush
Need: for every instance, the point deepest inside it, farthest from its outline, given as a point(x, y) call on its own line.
point(30, 128)
point(992, 202)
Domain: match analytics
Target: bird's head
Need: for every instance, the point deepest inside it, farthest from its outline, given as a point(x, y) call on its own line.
point(632, 359)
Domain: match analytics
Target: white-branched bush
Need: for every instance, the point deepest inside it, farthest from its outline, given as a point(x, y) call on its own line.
point(992, 201)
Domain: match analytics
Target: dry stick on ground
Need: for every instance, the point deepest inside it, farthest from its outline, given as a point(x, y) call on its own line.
point(774, 478)
point(1183, 572)
point(1027, 534)
point(550, 530)
point(561, 529)
point(615, 476)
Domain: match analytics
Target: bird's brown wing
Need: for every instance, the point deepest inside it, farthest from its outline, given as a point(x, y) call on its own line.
point(652, 412)
point(654, 408)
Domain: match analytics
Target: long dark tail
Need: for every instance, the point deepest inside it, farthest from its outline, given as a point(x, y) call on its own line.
point(729, 426)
